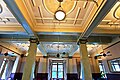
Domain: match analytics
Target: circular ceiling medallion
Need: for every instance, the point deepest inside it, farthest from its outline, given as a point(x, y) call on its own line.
point(52, 5)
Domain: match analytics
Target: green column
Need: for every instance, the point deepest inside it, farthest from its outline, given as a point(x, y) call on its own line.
point(85, 63)
point(30, 61)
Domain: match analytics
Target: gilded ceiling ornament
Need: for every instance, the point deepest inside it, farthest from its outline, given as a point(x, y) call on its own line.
point(116, 12)
point(52, 5)
point(1, 8)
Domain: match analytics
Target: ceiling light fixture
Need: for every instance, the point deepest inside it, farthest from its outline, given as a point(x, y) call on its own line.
point(60, 14)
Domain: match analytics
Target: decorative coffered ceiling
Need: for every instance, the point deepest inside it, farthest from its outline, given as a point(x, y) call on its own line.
point(110, 22)
point(78, 12)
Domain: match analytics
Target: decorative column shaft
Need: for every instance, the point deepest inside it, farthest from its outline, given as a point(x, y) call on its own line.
point(85, 63)
point(30, 61)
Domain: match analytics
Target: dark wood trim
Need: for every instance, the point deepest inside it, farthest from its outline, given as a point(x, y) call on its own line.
point(9, 49)
point(111, 45)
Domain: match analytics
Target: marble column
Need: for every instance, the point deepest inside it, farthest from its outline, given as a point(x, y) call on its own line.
point(30, 61)
point(85, 63)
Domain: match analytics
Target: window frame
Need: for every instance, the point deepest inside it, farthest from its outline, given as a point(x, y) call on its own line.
point(111, 65)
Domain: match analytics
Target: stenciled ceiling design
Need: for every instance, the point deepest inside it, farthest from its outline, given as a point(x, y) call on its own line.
point(110, 22)
point(67, 5)
point(6, 17)
point(55, 48)
point(24, 46)
point(58, 48)
point(42, 11)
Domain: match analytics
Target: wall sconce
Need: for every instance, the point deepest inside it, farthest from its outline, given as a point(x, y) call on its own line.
point(103, 54)
point(60, 14)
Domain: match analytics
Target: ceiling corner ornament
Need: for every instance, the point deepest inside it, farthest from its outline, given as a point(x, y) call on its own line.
point(52, 5)
point(116, 12)
point(1, 8)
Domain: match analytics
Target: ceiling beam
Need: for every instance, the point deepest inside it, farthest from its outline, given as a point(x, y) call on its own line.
point(59, 31)
point(100, 16)
point(55, 38)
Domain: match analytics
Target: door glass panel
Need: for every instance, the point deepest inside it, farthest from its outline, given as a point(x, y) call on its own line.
point(54, 74)
point(60, 67)
point(60, 74)
point(54, 68)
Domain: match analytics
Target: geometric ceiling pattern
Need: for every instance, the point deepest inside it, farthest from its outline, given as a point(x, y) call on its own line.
point(43, 11)
point(6, 17)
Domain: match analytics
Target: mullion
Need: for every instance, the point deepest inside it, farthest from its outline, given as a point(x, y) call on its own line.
point(57, 70)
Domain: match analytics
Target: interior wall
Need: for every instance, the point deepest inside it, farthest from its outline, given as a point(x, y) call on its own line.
point(43, 65)
point(114, 50)
point(20, 66)
point(72, 66)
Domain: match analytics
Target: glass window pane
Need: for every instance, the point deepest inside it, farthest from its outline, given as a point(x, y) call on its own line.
point(60, 63)
point(54, 74)
point(117, 68)
point(101, 68)
point(54, 63)
point(54, 67)
point(113, 68)
point(60, 67)
point(115, 65)
point(60, 74)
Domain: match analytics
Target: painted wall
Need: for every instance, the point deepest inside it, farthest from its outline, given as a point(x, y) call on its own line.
point(43, 65)
point(72, 66)
point(114, 50)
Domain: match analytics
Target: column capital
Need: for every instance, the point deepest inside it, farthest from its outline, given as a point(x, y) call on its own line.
point(82, 41)
point(70, 57)
point(34, 40)
point(45, 56)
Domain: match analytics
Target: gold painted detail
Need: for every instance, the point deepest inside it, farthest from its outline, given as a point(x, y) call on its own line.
point(52, 5)
point(116, 13)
